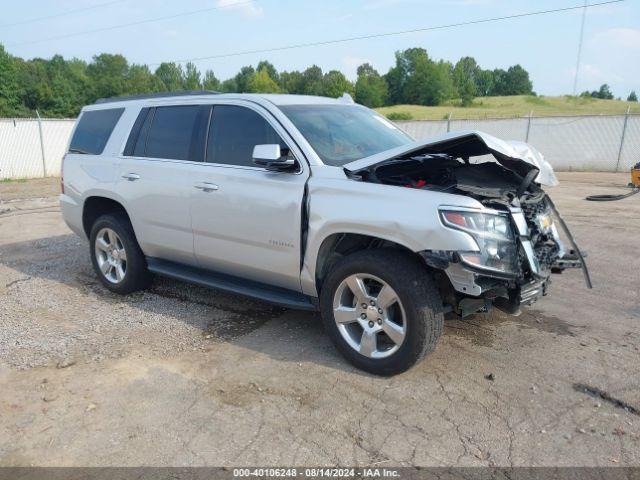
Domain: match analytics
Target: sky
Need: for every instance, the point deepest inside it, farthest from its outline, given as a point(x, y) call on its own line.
point(545, 45)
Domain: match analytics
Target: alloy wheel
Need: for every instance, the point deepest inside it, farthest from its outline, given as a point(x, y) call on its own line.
point(111, 255)
point(369, 315)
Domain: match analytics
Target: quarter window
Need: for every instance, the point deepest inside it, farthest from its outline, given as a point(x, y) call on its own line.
point(93, 131)
point(233, 133)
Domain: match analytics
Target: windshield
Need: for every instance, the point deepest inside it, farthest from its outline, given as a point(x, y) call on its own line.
point(343, 133)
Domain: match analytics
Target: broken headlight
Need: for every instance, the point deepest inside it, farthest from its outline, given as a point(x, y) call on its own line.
point(494, 236)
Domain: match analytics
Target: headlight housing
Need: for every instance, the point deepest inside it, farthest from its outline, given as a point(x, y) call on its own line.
point(493, 234)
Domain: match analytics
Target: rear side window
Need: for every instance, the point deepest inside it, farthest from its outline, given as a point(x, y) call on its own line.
point(93, 131)
point(233, 133)
point(176, 133)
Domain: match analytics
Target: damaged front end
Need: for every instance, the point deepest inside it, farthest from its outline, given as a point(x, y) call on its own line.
point(518, 230)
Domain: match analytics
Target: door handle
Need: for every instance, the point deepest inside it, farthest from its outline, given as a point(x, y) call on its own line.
point(206, 187)
point(132, 177)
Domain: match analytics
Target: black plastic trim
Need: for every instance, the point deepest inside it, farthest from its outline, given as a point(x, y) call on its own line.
point(268, 293)
point(135, 132)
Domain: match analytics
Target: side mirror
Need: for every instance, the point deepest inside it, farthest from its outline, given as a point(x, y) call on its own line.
point(270, 156)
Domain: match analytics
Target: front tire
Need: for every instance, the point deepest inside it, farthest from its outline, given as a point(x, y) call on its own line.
point(381, 310)
point(116, 256)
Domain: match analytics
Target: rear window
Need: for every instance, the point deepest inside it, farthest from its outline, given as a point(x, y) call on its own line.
point(93, 131)
point(174, 132)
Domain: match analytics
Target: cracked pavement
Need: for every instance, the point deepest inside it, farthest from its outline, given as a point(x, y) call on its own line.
point(184, 376)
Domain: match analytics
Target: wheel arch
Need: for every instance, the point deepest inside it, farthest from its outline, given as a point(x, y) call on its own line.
point(338, 244)
point(96, 205)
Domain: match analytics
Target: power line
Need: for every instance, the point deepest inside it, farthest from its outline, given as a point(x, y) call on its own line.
point(575, 77)
point(61, 14)
point(389, 34)
point(125, 25)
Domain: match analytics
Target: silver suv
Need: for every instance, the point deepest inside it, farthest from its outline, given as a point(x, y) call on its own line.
point(315, 203)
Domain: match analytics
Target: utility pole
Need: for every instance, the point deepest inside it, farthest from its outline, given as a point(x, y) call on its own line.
point(575, 77)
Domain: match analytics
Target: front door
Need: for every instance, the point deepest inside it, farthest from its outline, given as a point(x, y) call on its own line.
point(247, 220)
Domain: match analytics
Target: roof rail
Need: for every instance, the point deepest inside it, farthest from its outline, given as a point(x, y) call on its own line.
point(183, 93)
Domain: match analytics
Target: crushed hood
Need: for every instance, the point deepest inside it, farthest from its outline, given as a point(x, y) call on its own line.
point(518, 157)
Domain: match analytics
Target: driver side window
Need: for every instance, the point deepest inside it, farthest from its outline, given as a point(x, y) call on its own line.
point(233, 133)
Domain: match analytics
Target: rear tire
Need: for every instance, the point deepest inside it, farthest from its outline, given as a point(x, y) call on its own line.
point(116, 256)
point(398, 297)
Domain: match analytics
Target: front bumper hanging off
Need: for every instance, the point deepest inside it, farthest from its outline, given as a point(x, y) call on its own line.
point(468, 281)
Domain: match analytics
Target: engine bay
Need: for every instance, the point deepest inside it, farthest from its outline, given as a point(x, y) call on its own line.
point(486, 181)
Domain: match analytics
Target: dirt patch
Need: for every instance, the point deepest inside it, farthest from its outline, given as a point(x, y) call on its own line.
point(546, 323)
point(251, 393)
point(481, 329)
point(33, 188)
point(476, 329)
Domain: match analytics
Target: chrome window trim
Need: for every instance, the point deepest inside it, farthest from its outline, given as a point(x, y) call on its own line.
point(286, 137)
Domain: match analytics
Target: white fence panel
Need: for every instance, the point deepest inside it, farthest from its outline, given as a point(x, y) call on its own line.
point(56, 135)
point(20, 153)
point(506, 128)
point(568, 143)
point(421, 129)
point(578, 143)
point(631, 149)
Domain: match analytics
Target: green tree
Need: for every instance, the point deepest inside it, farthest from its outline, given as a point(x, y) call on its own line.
point(312, 81)
point(371, 88)
point(242, 79)
point(484, 83)
point(107, 75)
point(467, 92)
point(271, 70)
point(141, 80)
point(210, 81)
point(465, 79)
point(428, 83)
point(171, 76)
point(517, 81)
point(261, 82)
point(398, 76)
point(605, 92)
point(191, 77)
point(71, 86)
point(229, 86)
point(632, 97)
point(9, 95)
point(335, 84)
point(416, 78)
point(499, 86)
point(292, 82)
point(35, 87)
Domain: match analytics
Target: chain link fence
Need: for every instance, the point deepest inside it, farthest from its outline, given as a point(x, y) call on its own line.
point(609, 143)
point(31, 147)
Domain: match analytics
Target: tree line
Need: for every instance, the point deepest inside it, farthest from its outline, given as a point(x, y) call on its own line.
point(58, 87)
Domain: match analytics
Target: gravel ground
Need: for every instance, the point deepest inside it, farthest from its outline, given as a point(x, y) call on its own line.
point(181, 375)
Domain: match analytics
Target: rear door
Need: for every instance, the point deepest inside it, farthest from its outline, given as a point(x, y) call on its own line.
point(248, 223)
point(157, 175)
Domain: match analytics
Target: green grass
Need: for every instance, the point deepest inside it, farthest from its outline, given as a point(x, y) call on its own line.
point(515, 106)
point(11, 180)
